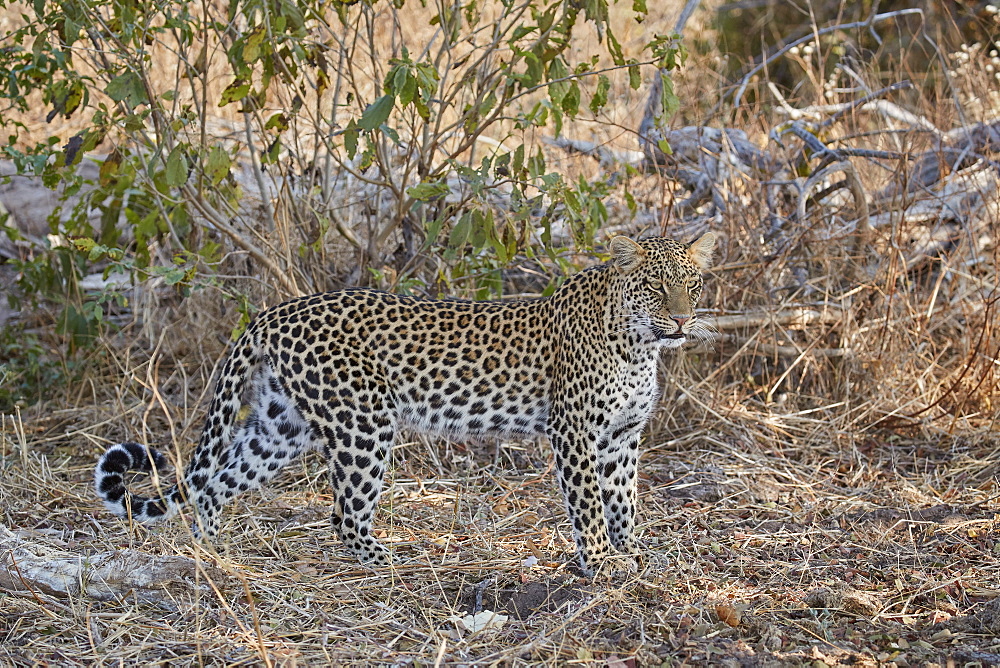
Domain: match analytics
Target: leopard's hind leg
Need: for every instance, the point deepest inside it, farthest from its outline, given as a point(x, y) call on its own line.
point(357, 430)
point(273, 434)
point(357, 459)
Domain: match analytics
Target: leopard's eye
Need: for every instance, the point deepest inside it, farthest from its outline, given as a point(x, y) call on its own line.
point(655, 284)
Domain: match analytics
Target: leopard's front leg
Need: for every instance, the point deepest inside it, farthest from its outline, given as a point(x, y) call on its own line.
point(617, 468)
point(573, 446)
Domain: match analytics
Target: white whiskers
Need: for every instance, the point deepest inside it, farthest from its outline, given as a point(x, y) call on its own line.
point(703, 333)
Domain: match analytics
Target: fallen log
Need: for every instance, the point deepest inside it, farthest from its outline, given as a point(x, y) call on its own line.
point(793, 317)
point(29, 568)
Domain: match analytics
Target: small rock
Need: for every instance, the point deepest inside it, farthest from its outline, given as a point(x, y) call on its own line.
point(844, 599)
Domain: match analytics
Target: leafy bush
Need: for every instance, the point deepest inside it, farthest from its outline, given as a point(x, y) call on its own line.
point(320, 101)
point(329, 143)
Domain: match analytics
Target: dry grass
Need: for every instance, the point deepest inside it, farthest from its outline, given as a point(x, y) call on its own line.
point(747, 517)
point(799, 506)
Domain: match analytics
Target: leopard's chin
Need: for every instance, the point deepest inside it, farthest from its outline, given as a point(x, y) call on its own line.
point(673, 340)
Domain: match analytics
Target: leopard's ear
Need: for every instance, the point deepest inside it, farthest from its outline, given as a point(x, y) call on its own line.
point(626, 254)
point(700, 251)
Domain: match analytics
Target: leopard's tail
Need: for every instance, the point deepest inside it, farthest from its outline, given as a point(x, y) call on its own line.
point(109, 481)
point(109, 475)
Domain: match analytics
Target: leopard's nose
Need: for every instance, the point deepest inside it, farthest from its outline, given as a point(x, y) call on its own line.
point(680, 319)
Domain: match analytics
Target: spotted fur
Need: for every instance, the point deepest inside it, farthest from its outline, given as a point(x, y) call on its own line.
point(344, 371)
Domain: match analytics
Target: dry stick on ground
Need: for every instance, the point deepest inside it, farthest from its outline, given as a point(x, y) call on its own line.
point(799, 316)
point(34, 567)
point(793, 317)
point(834, 161)
point(846, 167)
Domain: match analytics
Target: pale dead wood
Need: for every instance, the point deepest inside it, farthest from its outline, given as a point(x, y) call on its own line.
point(605, 155)
point(791, 351)
point(28, 567)
point(800, 316)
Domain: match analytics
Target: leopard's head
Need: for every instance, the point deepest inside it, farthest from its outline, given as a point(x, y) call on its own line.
point(660, 285)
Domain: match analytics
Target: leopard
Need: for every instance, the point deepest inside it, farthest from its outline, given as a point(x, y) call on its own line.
point(343, 372)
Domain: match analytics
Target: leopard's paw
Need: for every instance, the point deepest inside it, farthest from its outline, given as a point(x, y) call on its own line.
point(614, 567)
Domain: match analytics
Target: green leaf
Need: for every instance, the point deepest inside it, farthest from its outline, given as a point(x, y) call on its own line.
point(135, 122)
point(177, 168)
point(126, 87)
point(558, 89)
point(351, 133)
point(487, 106)
point(277, 121)
point(84, 244)
point(427, 80)
point(545, 20)
point(639, 6)
point(404, 85)
point(481, 227)
point(270, 156)
point(536, 165)
point(251, 48)
point(518, 166)
point(549, 180)
point(630, 202)
point(668, 51)
point(600, 97)
point(596, 11)
point(500, 249)
point(211, 251)
point(367, 157)
point(533, 71)
point(391, 134)
point(376, 113)
point(395, 79)
point(408, 90)
point(74, 96)
point(431, 231)
point(322, 82)
point(460, 233)
point(634, 75)
point(217, 165)
point(173, 275)
point(234, 92)
point(615, 49)
point(668, 99)
point(664, 146)
point(79, 324)
point(422, 109)
point(571, 103)
point(520, 32)
point(109, 168)
point(425, 192)
point(148, 226)
point(97, 252)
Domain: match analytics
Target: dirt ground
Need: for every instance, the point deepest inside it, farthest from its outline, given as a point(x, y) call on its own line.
point(771, 541)
point(822, 489)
